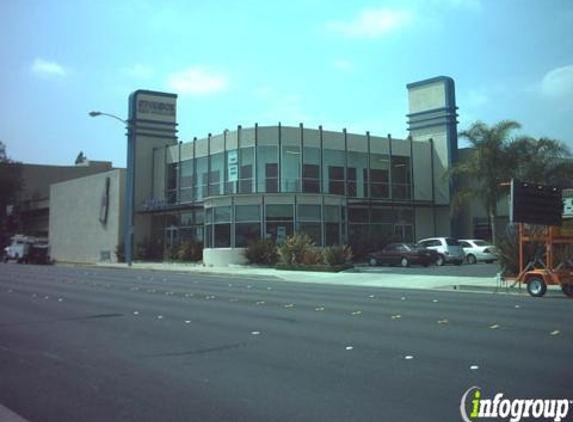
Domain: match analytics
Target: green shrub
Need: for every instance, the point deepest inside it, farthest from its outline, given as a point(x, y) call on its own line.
point(508, 249)
point(148, 250)
point(312, 256)
point(189, 251)
point(120, 252)
point(338, 255)
point(295, 247)
point(262, 252)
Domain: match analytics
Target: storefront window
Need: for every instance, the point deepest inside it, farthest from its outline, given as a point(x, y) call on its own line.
point(279, 222)
point(247, 224)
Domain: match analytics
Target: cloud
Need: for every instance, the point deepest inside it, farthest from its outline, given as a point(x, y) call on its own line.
point(371, 23)
point(46, 68)
point(198, 80)
point(558, 82)
point(138, 71)
point(343, 64)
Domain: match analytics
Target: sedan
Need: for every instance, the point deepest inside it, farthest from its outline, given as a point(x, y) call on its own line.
point(479, 250)
point(403, 254)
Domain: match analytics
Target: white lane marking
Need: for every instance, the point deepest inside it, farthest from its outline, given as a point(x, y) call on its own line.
point(255, 333)
point(349, 348)
point(474, 367)
point(555, 333)
point(402, 298)
point(408, 357)
point(435, 300)
point(187, 322)
point(159, 316)
point(135, 313)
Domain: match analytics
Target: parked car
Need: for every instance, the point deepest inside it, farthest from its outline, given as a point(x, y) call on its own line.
point(403, 254)
point(479, 250)
point(448, 248)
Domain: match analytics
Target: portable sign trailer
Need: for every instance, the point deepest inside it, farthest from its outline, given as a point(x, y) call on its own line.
point(541, 205)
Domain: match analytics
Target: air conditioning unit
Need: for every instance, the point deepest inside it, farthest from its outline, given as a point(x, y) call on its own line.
point(568, 207)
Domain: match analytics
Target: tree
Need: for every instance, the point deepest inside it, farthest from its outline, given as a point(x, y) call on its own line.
point(496, 156)
point(486, 167)
point(11, 183)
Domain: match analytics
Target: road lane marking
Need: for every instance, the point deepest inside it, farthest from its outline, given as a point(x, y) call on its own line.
point(349, 348)
point(396, 316)
point(494, 326)
point(289, 305)
point(443, 322)
point(408, 357)
point(356, 313)
point(319, 309)
point(474, 367)
point(555, 333)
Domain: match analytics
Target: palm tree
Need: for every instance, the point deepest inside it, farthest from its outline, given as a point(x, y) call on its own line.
point(496, 157)
point(487, 165)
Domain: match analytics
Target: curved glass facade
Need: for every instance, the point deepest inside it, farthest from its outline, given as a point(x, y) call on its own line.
point(272, 182)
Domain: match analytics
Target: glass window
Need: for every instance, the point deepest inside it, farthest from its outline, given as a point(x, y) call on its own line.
point(246, 232)
point(279, 222)
point(290, 169)
point(313, 230)
point(331, 213)
point(186, 173)
point(222, 236)
point(247, 213)
point(332, 234)
point(311, 170)
point(279, 212)
point(357, 174)
point(333, 161)
point(358, 215)
point(201, 177)
point(401, 172)
point(379, 176)
point(172, 170)
point(267, 169)
point(309, 212)
point(216, 173)
point(246, 162)
point(222, 214)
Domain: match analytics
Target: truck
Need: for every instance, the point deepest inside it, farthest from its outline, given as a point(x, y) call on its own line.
point(27, 249)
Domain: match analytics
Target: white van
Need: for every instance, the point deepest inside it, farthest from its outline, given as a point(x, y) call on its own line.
point(450, 249)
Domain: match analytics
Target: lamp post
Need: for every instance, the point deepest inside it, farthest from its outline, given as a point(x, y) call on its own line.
point(129, 186)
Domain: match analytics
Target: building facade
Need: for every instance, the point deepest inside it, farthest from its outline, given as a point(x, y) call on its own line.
point(272, 181)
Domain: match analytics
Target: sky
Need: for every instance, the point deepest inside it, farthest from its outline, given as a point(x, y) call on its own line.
point(317, 62)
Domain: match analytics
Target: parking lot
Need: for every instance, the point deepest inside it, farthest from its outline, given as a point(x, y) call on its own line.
point(464, 270)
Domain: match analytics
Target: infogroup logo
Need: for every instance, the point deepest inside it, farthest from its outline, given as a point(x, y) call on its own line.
point(513, 410)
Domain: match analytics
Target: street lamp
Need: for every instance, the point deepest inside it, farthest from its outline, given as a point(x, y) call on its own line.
point(129, 186)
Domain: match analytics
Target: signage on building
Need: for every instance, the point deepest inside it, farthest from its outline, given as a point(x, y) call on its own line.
point(232, 166)
point(156, 107)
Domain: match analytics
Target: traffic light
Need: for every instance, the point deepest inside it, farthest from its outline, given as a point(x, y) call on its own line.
point(532, 203)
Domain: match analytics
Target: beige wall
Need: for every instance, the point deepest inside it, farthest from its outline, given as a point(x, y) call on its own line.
point(76, 233)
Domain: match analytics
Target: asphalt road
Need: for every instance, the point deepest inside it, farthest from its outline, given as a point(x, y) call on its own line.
point(88, 344)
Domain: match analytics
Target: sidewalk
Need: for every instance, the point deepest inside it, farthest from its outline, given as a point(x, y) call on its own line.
point(347, 278)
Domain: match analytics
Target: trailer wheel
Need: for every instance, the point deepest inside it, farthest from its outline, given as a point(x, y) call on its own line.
point(567, 289)
point(536, 286)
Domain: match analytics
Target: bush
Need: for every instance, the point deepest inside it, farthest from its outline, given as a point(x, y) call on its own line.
point(294, 248)
point(189, 251)
point(338, 255)
point(262, 252)
point(148, 250)
point(120, 252)
point(312, 256)
point(508, 249)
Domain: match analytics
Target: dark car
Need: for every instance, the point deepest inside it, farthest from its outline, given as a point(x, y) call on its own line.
point(403, 254)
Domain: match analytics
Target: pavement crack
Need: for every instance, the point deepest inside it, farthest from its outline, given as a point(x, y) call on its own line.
point(215, 349)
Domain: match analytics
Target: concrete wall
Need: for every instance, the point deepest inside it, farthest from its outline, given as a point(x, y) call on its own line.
point(222, 257)
point(76, 207)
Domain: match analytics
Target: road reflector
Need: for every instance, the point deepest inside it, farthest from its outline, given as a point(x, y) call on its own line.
point(319, 309)
point(356, 313)
point(474, 367)
point(494, 326)
point(555, 333)
point(289, 305)
point(349, 348)
point(443, 321)
point(396, 316)
point(408, 357)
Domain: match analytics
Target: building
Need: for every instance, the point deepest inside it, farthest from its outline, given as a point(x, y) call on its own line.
point(32, 210)
point(272, 181)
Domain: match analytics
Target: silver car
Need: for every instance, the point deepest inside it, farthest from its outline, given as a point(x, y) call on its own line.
point(479, 250)
point(449, 249)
